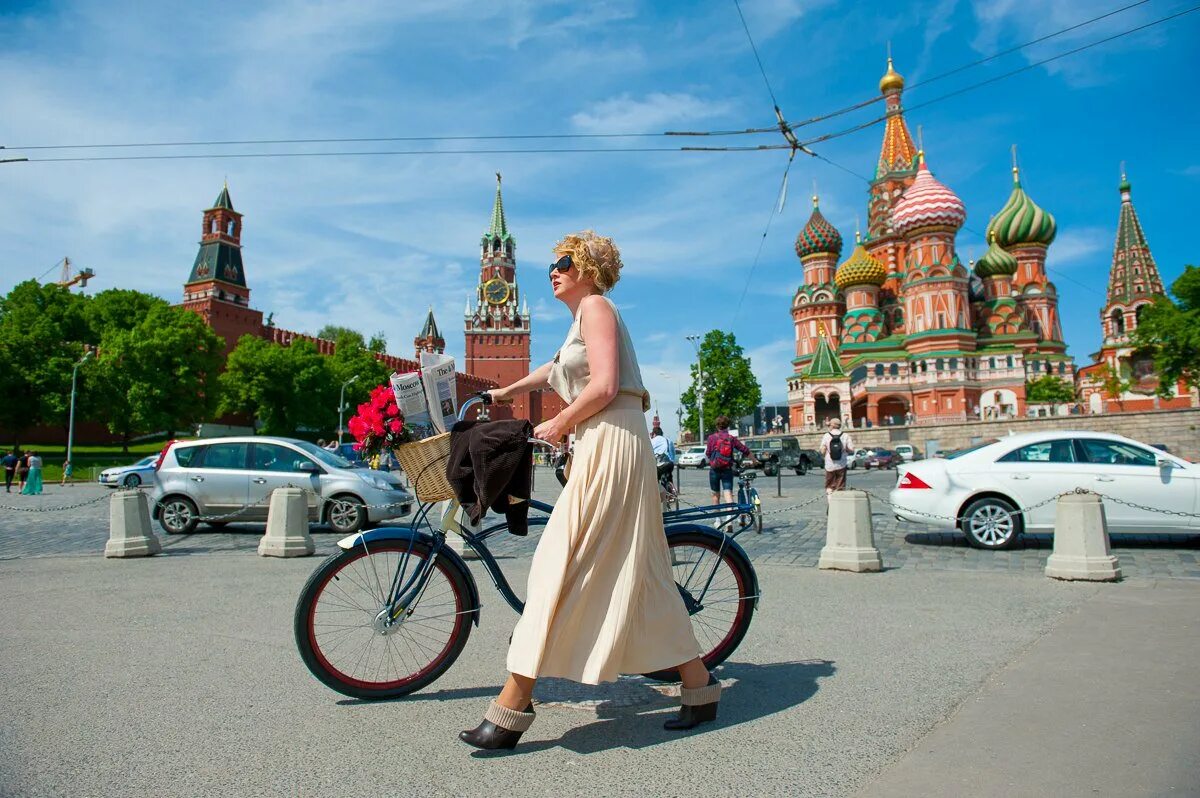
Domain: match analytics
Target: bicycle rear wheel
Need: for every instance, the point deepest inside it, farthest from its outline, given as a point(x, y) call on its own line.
point(716, 584)
point(341, 635)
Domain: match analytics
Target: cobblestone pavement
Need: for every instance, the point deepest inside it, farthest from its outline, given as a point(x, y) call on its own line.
point(791, 537)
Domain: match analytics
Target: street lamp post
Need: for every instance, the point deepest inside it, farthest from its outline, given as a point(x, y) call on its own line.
point(342, 404)
point(699, 384)
point(71, 422)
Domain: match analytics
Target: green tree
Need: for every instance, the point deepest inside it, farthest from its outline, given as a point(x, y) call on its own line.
point(160, 374)
point(338, 334)
point(1112, 383)
point(378, 343)
point(43, 332)
point(730, 388)
point(1049, 389)
point(280, 387)
point(1170, 330)
point(118, 309)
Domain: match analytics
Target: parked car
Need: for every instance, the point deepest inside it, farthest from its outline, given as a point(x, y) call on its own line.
point(218, 477)
point(773, 454)
point(881, 458)
point(984, 490)
point(907, 452)
point(692, 457)
point(130, 476)
point(812, 459)
point(857, 458)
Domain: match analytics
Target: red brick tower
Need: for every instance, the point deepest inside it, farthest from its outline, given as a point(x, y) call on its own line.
point(497, 326)
point(430, 340)
point(216, 288)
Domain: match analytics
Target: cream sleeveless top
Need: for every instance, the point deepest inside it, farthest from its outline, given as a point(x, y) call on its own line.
point(569, 372)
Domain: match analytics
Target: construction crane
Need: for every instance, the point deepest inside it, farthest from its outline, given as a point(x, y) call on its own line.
point(81, 277)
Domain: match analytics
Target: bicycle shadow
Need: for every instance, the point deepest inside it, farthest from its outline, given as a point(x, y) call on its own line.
point(448, 694)
point(759, 691)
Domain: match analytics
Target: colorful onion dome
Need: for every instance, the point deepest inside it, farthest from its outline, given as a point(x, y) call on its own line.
point(996, 262)
point(927, 202)
point(1021, 221)
point(860, 269)
point(818, 235)
point(891, 79)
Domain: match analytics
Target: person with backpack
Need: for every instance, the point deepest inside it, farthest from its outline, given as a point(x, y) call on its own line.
point(719, 454)
point(836, 446)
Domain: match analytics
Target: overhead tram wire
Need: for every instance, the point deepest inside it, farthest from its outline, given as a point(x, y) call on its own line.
point(554, 136)
point(997, 78)
point(806, 143)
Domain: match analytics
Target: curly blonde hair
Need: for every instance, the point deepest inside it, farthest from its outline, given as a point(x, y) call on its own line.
point(595, 256)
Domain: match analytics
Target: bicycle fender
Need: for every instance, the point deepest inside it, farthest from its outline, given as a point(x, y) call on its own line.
point(730, 543)
point(406, 534)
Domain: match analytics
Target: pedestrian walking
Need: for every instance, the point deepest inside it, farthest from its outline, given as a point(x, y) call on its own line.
point(718, 451)
point(836, 446)
point(33, 479)
point(67, 470)
point(10, 469)
point(602, 599)
point(22, 470)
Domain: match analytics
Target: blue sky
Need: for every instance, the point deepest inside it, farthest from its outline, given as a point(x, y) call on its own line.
point(372, 241)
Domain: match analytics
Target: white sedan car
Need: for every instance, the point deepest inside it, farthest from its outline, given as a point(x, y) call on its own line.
point(692, 456)
point(985, 490)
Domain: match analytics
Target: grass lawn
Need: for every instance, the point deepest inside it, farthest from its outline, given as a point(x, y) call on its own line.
point(89, 460)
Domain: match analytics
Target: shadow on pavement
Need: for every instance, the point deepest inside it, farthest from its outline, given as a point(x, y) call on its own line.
point(759, 691)
point(1118, 540)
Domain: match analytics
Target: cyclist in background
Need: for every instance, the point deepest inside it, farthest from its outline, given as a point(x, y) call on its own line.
point(664, 456)
point(719, 454)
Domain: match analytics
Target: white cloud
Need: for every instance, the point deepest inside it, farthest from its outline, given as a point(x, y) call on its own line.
point(772, 365)
point(1003, 23)
point(651, 114)
point(1080, 244)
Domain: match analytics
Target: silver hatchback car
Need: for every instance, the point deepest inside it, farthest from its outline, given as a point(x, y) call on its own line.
point(221, 480)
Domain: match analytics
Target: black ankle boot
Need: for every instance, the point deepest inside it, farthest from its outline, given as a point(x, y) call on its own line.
point(699, 706)
point(501, 728)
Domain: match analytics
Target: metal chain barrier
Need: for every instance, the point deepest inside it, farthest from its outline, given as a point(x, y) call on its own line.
point(1043, 503)
point(52, 509)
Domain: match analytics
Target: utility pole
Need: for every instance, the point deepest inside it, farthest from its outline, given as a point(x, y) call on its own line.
point(71, 422)
point(699, 384)
point(342, 404)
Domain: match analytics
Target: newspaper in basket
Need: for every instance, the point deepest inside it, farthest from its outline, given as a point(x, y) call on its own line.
point(428, 401)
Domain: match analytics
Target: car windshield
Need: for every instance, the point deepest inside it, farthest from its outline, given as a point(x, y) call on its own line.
point(324, 455)
point(696, 450)
point(145, 461)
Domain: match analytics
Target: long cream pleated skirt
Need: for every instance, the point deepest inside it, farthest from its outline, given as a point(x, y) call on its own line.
point(602, 600)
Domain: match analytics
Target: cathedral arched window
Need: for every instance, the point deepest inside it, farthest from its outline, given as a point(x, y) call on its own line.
point(1010, 361)
point(878, 369)
point(953, 364)
point(229, 228)
point(894, 370)
point(939, 364)
point(1118, 322)
point(212, 227)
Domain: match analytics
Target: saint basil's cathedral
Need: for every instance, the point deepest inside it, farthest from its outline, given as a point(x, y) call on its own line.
point(902, 332)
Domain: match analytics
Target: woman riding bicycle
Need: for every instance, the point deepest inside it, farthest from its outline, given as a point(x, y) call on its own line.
point(602, 599)
point(664, 456)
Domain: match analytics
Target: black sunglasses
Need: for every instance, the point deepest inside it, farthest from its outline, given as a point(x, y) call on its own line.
point(563, 265)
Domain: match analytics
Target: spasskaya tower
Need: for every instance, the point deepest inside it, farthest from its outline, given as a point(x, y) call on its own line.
point(496, 319)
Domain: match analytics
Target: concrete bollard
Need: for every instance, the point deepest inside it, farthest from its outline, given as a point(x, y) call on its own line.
point(287, 526)
point(850, 541)
point(129, 533)
point(1081, 549)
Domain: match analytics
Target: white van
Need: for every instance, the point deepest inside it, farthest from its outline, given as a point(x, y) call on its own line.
point(907, 452)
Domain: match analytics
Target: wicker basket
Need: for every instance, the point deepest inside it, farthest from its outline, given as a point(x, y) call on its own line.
point(425, 464)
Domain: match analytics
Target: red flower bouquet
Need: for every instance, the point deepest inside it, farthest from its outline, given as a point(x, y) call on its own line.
point(379, 425)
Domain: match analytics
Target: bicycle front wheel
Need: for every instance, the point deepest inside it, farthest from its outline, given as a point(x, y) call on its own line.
point(757, 503)
point(716, 583)
point(340, 621)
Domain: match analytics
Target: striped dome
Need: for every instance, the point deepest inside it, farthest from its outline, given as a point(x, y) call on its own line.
point(1021, 221)
point(996, 262)
point(818, 236)
point(927, 202)
point(860, 269)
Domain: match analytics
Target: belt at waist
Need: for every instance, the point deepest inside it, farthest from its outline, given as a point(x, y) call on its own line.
point(626, 400)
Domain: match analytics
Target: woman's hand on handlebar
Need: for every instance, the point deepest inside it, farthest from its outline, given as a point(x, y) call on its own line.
point(552, 430)
point(497, 396)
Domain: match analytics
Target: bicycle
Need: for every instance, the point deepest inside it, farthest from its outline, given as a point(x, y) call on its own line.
point(747, 497)
point(392, 611)
point(667, 489)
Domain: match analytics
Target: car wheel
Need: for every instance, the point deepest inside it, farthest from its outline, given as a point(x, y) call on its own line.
point(991, 523)
point(346, 515)
point(131, 481)
point(770, 470)
point(178, 516)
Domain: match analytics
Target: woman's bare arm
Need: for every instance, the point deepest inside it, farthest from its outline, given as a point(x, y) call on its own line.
point(536, 380)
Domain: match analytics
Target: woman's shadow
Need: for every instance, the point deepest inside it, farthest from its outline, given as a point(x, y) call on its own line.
point(757, 691)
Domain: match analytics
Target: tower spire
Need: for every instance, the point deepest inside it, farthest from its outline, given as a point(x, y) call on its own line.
point(499, 226)
point(1134, 274)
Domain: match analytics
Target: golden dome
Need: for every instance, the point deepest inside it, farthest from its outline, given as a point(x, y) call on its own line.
point(891, 79)
point(860, 269)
